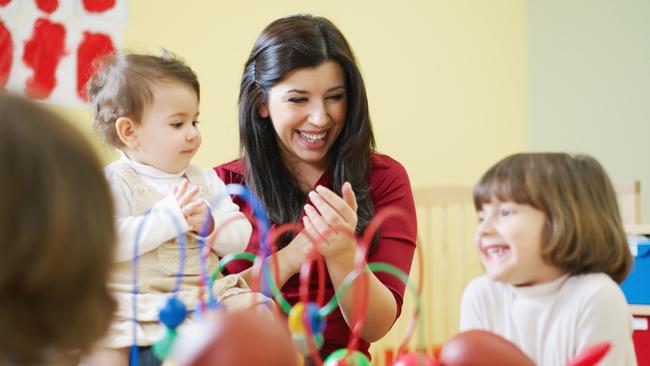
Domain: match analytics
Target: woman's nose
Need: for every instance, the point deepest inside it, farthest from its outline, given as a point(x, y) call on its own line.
point(318, 115)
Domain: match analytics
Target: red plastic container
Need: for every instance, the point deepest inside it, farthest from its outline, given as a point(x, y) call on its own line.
point(642, 341)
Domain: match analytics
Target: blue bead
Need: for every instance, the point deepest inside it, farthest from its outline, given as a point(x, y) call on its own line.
point(173, 313)
point(317, 322)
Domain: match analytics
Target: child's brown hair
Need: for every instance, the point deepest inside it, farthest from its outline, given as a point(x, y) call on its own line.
point(583, 231)
point(56, 237)
point(121, 87)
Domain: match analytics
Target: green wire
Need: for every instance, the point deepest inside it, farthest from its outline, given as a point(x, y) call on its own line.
point(277, 295)
point(376, 267)
point(333, 303)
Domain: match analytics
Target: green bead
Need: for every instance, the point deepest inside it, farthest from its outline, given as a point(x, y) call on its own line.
point(355, 358)
point(162, 347)
point(300, 342)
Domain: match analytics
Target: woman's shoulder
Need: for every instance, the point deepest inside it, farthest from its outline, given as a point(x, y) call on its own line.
point(387, 175)
point(381, 162)
point(232, 171)
point(384, 167)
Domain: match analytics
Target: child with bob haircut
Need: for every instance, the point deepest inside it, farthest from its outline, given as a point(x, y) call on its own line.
point(148, 107)
point(56, 238)
point(552, 243)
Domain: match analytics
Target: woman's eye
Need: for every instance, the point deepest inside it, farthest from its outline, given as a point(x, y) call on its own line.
point(297, 100)
point(195, 123)
point(177, 124)
point(506, 211)
point(336, 97)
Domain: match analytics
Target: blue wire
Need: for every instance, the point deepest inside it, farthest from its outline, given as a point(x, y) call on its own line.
point(134, 292)
point(212, 299)
point(263, 227)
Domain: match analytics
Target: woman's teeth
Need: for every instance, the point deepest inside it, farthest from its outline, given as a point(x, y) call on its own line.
point(313, 137)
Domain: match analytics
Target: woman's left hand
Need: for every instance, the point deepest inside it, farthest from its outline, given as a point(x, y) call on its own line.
point(329, 210)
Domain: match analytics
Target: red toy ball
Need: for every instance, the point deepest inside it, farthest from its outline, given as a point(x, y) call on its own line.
point(479, 347)
point(249, 337)
point(415, 359)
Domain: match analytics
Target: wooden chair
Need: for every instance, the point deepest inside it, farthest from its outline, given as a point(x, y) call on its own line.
point(446, 223)
point(629, 204)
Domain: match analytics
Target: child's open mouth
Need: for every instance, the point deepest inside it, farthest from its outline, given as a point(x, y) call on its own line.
point(496, 252)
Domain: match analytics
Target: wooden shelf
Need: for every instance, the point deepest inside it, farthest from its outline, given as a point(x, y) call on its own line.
point(640, 310)
point(638, 229)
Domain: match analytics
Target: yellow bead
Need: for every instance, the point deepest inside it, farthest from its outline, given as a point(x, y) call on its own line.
point(295, 319)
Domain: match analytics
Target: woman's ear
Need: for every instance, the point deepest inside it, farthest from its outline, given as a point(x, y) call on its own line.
point(126, 131)
point(263, 111)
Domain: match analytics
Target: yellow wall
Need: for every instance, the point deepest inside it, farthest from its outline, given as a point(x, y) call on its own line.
point(446, 79)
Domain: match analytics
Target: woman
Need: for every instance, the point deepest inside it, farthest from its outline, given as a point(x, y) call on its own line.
point(308, 154)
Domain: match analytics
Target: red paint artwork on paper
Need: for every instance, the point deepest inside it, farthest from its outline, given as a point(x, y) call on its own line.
point(4, 2)
point(98, 6)
point(48, 6)
point(6, 54)
point(92, 46)
point(42, 54)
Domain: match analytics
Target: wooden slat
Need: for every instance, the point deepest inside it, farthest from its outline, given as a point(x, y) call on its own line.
point(641, 310)
point(442, 195)
point(629, 201)
point(641, 229)
point(446, 222)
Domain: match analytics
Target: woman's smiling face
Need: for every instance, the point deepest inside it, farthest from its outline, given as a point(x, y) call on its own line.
point(308, 109)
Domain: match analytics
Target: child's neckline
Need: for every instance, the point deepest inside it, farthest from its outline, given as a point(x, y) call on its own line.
point(149, 170)
point(542, 289)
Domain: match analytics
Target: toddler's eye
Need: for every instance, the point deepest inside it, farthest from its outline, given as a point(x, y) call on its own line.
point(195, 123)
point(177, 124)
point(506, 211)
point(481, 217)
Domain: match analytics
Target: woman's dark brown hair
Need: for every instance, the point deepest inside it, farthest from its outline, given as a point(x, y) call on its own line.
point(285, 45)
point(56, 237)
point(583, 231)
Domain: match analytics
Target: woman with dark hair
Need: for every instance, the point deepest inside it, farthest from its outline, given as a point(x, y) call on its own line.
point(308, 153)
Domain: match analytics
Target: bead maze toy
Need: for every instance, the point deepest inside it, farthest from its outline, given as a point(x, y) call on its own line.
point(249, 337)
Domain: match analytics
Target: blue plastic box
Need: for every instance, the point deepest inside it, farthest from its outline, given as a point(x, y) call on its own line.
point(636, 286)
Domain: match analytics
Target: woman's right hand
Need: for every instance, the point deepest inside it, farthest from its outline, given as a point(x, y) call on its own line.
point(292, 256)
point(288, 259)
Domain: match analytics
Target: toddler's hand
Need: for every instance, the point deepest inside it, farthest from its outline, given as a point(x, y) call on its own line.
point(184, 194)
point(196, 212)
point(194, 209)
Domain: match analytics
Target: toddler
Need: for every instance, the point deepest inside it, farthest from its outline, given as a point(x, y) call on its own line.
point(148, 108)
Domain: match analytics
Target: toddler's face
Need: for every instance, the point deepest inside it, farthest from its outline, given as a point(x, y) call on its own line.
point(168, 135)
point(509, 240)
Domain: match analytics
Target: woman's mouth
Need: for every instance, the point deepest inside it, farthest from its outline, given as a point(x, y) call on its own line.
point(313, 139)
